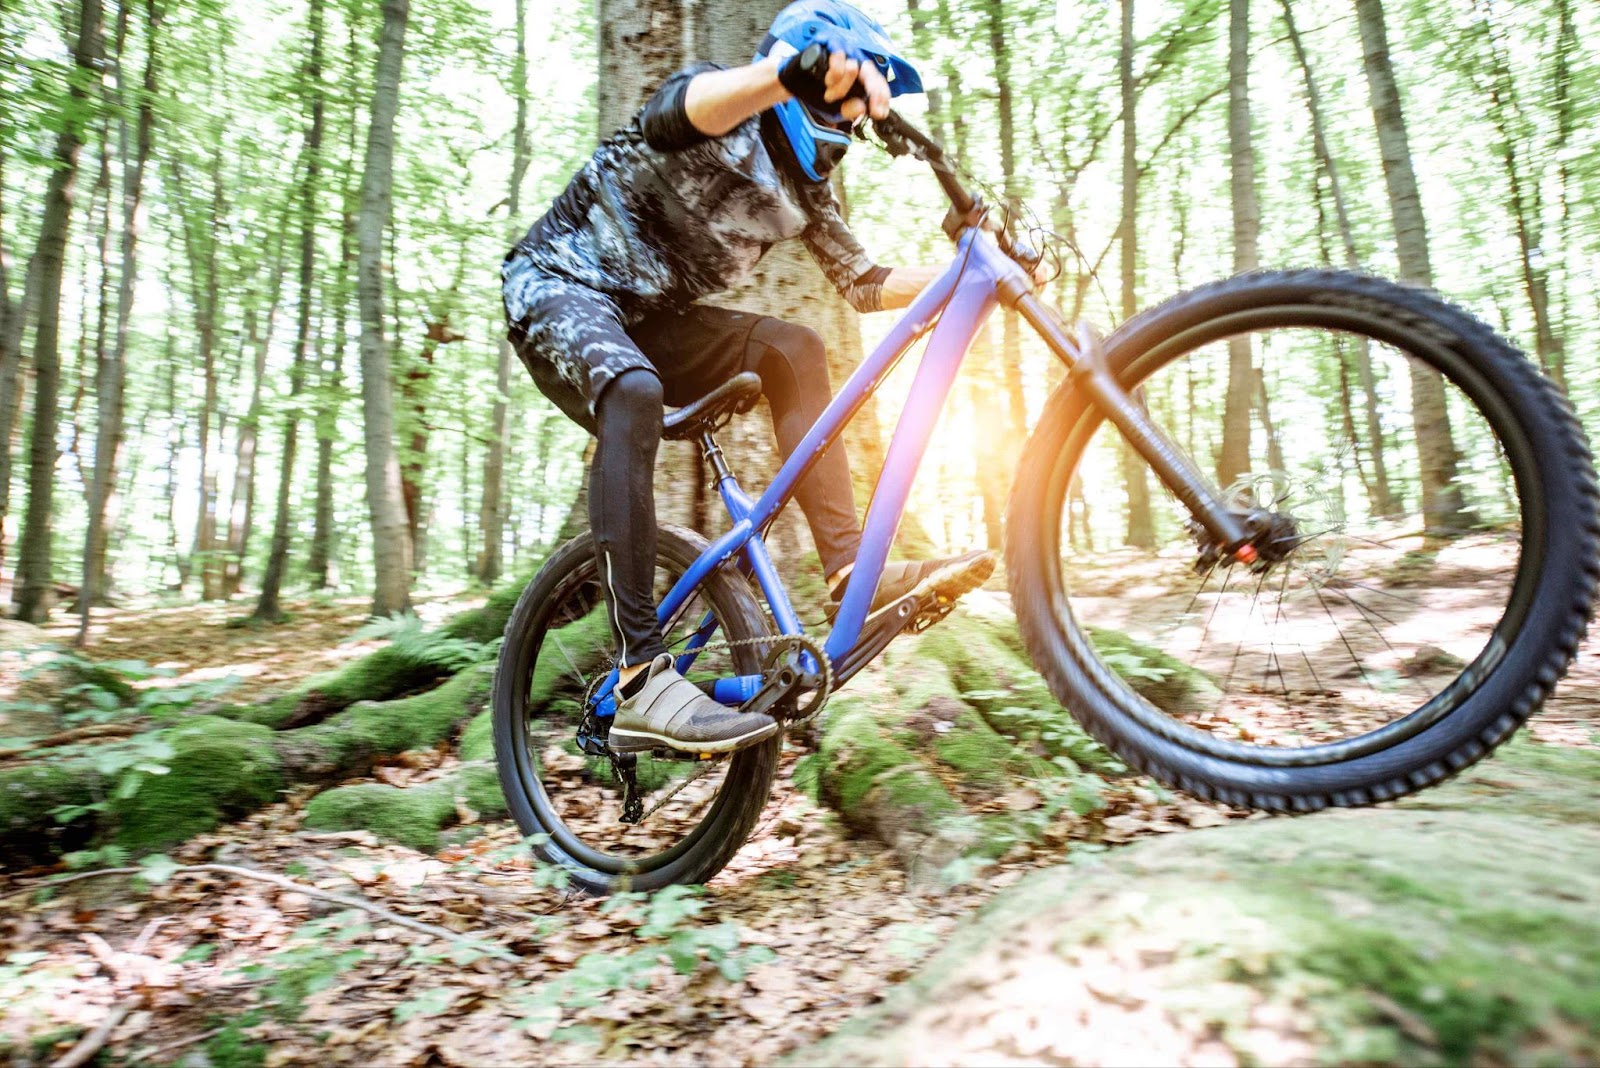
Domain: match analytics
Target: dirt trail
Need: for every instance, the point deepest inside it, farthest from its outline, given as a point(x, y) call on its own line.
point(232, 967)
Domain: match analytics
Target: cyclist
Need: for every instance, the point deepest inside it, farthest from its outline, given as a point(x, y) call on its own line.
point(718, 165)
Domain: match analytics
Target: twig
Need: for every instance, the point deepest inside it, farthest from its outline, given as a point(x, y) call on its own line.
point(91, 1043)
point(288, 884)
point(76, 734)
point(150, 1052)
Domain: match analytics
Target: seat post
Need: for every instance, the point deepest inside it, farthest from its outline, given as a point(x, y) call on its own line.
point(711, 453)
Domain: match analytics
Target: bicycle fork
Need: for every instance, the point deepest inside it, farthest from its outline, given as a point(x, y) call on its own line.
point(1086, 365)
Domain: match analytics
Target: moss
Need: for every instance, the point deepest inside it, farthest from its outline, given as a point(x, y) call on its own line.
point(485, 624)
point(477, 741)
point(1180, 688)
point(374, 728)
point(975, 751)
point(860, 763)
point(380, 675)
point(412, 816)
point(409, 816)
point(30, 792)
point(220, 768)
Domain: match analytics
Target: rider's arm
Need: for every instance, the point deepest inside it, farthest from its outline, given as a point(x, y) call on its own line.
point(847, 265)
point(904, 283)
point(696, 104)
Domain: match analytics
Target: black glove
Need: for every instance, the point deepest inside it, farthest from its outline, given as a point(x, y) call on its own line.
point(805, 75)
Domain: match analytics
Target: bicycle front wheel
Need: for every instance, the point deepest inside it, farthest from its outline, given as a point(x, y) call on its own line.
point(1428, 571)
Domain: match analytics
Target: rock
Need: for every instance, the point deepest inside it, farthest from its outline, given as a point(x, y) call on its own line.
point(1438, 930)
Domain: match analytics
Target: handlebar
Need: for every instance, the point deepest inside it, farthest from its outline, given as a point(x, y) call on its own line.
point(900, 137)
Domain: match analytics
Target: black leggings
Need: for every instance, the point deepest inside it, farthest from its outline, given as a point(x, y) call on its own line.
point(793, 366)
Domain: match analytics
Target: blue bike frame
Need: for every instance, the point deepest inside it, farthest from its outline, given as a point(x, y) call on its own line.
point(954, 307)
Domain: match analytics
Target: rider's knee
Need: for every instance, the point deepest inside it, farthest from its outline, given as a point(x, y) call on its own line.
point(800, 347)
point(636, 396)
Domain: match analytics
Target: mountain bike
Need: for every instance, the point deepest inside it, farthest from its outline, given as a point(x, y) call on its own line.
point(1371, 602)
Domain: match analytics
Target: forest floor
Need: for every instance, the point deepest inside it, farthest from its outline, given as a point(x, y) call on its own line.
point(807, 927)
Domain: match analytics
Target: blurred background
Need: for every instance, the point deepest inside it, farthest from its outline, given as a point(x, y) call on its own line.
point(181, 193)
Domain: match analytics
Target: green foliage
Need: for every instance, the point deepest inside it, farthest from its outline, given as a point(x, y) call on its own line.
point(313, 960)
point(104, 691)
point(668, 935)
point(411, 642)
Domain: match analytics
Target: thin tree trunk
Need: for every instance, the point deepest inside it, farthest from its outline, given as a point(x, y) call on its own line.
point(113, 370)
point(1010, 327)
point(1379, 493)
point(1234, 460)
point(1525, 201)
point(391, 547)
point(267, 607)
point(1444, 509)
point(491, 510)
point(321, 556)
point(1141, 523)
point(36, 593)
point(1566, 46)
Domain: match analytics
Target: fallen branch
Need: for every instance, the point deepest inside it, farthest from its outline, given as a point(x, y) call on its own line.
point(76, 734)
point(287, 883)
point(91, 1043)
point(151, 1052)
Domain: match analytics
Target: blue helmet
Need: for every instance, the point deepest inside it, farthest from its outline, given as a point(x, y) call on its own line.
point(817, 138)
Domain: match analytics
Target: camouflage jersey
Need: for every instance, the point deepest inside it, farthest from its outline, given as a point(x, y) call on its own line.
point(662, 215)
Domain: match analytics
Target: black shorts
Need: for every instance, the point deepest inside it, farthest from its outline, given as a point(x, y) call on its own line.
point(575, 341)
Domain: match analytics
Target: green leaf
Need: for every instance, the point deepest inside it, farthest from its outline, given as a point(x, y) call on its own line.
point(198, 953)
point(158, 868)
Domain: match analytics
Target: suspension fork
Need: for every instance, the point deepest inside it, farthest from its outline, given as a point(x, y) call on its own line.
point(1086, 364)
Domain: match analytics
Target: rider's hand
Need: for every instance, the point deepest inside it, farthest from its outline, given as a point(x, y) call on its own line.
point(844, 72)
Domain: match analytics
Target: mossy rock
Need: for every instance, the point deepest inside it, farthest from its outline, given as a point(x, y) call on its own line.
point(29, 793)
point(220, 769)
point(1414, 934)
point(371, 728)
point(413, 815)
point(385, 673)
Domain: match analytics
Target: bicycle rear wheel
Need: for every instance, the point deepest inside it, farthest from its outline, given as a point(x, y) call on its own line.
point(1432, 546)
point(557, 653)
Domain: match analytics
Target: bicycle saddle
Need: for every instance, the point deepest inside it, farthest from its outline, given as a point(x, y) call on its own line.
point(734, 397)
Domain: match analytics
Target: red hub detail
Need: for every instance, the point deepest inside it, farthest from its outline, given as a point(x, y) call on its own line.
point(1246, 554)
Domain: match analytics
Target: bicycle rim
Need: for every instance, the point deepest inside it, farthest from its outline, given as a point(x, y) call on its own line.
point(1377, 623)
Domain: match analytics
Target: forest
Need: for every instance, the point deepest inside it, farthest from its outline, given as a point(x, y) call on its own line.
point(273, 478)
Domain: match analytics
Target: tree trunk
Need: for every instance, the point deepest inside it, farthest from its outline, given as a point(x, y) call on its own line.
point(1234, 460)
point(391, 547)
point(1010, 325)
point(1444, 509)
point(200, 240)
point(491, 510)
point(1566, 47)
point(267, 607)
point(1380, 496)
point(1525, 200)
point(113, 370)
point(330, 396)
point(37, 591)
point(1141, 523)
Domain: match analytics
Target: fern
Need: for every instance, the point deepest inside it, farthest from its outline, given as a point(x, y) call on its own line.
point(408, 639)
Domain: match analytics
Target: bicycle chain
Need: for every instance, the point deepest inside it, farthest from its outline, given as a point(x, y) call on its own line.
point(780, 641)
